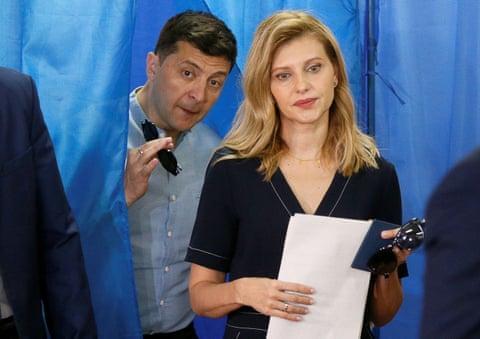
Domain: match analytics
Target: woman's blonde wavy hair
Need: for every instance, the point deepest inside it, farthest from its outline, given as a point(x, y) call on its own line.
point(255, 130)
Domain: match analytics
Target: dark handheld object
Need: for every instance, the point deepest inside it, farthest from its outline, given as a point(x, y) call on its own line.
point(166, 157)
point(409, 237)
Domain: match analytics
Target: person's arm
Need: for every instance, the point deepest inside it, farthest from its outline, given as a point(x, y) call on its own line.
point(64, 286)
point(211, 296)
point(387, 294)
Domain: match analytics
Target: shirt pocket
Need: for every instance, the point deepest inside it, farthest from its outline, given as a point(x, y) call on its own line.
point(16, 164)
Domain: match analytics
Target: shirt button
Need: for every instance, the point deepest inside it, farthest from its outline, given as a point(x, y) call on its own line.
point(162, 302)
point(167, 268)
point(169, 234)
point(173, 197)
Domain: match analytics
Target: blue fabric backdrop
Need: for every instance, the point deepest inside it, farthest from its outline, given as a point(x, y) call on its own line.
point(82, 52)
point(79, 54)
point(429, 52)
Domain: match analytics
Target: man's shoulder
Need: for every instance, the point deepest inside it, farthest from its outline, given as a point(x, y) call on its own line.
point(462, 176)
point(207, 137)
point(12, 80)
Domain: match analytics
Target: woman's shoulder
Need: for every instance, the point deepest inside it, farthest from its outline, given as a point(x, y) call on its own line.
point(385, 170)
point(385, 165)
point(225, 159)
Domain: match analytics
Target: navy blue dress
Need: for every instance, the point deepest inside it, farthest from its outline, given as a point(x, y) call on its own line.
point(242, 222)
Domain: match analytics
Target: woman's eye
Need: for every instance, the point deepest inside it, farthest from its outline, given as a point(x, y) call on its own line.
point(314, 68)
point(187, 73)
point(282, 76)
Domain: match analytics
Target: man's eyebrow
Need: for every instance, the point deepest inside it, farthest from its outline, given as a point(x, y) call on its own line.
point(193, 64)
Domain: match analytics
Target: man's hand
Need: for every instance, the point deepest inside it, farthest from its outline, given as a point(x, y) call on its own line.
point(140, 164)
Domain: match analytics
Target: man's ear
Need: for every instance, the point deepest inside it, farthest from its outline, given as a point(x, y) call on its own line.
point(152, 65)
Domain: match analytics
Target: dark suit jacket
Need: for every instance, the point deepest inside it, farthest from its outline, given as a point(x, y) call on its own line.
point(452, 245)
point(41, 259)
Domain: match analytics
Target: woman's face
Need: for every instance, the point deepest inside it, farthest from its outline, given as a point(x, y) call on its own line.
point(302, 81)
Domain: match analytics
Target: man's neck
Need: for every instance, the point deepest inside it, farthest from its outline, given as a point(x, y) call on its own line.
point(142, 98)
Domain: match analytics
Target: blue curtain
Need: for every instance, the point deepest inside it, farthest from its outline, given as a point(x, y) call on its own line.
point(429, 52)
point(79, 54)
point(87, 55)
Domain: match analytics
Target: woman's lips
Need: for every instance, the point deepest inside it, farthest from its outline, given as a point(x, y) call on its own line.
point(305, 103)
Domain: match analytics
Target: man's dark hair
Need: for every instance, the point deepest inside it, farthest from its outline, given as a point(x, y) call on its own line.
point(203, 30)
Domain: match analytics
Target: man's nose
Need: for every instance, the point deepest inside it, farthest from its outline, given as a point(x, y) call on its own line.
point(198, 91)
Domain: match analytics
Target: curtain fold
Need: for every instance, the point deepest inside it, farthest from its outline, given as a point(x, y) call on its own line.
point(79, 54)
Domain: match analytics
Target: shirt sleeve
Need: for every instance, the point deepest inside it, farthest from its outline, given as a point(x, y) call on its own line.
point(214, 234)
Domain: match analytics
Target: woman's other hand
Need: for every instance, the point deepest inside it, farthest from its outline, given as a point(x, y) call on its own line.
point(274, 297)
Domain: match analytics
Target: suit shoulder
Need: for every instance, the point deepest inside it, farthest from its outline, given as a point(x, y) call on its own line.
point(12, 80)
point(462, 177)
point(470, 164)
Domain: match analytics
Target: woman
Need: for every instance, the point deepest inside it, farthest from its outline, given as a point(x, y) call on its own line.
point(294, 148)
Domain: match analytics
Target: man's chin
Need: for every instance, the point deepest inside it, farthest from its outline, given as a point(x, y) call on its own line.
point(184, 127)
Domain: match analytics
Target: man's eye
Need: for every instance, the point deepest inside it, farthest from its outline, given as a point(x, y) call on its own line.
point(215, 83)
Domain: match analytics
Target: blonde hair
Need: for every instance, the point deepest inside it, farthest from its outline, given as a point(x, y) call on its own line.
point(255, 131)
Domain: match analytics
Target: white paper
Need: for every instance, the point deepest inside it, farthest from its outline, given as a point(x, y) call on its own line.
point(318, 252)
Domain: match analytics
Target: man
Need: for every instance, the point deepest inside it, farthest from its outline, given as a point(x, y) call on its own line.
point(41, 261)
point(185, 75)
point(452, 238)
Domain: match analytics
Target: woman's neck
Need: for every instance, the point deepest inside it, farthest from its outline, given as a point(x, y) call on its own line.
point(304, 141)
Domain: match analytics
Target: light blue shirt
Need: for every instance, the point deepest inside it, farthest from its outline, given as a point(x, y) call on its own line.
point(161, 223)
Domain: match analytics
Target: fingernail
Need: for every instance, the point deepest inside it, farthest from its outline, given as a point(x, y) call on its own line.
point(311, 301)
point(312, 290)
point(305, 311)
point(298, 318)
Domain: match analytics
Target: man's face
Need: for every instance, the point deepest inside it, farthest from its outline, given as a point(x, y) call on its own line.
point(185, 85)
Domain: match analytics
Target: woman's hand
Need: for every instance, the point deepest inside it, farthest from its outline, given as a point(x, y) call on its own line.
point(399, 253)
point(274, 298)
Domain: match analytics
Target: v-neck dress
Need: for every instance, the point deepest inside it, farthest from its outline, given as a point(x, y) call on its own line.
point(242, 222)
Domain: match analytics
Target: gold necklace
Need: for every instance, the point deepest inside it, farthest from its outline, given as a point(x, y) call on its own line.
point(301, 161)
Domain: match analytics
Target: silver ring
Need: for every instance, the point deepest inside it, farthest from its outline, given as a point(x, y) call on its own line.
point(285, 307)
point(140, 152)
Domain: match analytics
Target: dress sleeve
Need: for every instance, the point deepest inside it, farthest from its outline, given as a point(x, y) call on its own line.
point(214, 234)
point(390, 204)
